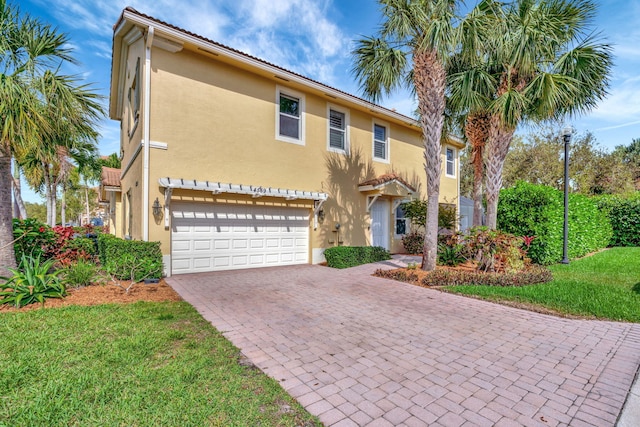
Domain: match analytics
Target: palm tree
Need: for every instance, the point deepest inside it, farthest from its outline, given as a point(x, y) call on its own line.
point(34, 99)
point(550, 65)
point(471, 85)
point(416, 40)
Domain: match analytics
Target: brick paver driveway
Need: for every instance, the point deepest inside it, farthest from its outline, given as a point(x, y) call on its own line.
point(359, 350)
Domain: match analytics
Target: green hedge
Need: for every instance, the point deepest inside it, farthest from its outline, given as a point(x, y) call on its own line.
point(536, 210)
point(624, 214)
point(130, 259)
point(350, 256)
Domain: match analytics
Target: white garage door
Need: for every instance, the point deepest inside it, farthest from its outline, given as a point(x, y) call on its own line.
point(209, 237)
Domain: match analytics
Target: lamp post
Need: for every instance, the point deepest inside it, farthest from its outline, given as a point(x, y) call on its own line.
point(567, 132)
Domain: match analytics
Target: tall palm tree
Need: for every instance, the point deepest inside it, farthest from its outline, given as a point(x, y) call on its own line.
point(416, 40)
point(550, 65)
point(471, 84)
point(34, 99)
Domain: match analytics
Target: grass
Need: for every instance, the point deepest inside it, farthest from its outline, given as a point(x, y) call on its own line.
point(143, 364)
point(605, 285)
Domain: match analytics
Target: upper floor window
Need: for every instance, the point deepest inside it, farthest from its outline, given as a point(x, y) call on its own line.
point(451, 162)
point(134, 100)
point(338, 136)
point(380, 142)
point(290, 117)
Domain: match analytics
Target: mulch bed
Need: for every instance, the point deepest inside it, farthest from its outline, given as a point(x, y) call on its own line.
point(106, 294)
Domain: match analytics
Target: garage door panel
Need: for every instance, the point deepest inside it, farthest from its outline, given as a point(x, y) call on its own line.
point(209, 237)
point(202, 245)
point(222, 244)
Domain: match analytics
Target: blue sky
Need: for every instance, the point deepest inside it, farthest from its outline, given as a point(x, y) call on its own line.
point(314, 38)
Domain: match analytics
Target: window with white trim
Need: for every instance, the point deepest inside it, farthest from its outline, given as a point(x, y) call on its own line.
point(338, 123)
point(381, 142)
point(402, 222)
point(134, 100)
point(451, 162)
point(290, 116)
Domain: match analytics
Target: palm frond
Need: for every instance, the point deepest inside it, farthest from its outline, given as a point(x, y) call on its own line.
point(379, 67)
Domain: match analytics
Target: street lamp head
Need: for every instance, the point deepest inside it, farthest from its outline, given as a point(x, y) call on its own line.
point(567, 132)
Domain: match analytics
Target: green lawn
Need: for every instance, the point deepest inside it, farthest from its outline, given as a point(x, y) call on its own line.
point(144, 364)
point(605, 285)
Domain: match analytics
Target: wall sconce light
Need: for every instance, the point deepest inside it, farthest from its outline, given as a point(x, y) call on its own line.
point(157, 208)
point(321, 215)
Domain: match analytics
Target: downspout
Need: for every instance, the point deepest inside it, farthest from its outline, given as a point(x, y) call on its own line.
point(146, 137)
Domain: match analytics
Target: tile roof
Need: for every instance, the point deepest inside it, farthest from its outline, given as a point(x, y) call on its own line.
point(387, 179)
point(110, 177)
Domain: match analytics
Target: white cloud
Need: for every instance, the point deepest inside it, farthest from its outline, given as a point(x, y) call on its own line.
point(295, 34)
point(623, 103)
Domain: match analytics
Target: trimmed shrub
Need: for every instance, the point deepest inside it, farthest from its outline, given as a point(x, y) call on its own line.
point(350, 256)
point(536, 210)
point(624, 214)
point(130, 259)
point(530, 276)
point(413, 242)
point(533, 275)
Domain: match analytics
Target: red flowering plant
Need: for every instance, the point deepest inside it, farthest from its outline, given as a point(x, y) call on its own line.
point(32, 239)
point(527, 241)
point(70, 246)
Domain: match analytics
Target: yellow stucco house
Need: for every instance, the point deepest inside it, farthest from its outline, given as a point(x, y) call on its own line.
point(232, 162)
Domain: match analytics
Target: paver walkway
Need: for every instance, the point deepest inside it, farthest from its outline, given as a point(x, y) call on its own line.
point(359, 350)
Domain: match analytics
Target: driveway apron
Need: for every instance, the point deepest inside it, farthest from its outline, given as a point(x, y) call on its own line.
point(357, 350)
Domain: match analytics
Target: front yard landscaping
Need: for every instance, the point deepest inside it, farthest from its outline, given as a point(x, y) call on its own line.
point(142, 364)
point(605, 285)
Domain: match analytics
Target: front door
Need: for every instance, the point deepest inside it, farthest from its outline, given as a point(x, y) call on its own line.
point(380, 213)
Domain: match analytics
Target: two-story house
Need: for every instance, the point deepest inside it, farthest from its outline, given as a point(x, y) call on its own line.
point(232, 162)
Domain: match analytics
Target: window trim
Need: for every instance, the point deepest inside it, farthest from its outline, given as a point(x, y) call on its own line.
point(453, 162)
point(386, 125)
point(347, 129)
point(281, 90)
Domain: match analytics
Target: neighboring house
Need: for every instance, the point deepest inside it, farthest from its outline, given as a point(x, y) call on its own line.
point(109, 197)
point(232, 162)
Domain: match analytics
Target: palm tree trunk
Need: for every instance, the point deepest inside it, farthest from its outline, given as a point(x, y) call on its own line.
point(86, 197)
point(18, 211)
point(17, 200)
point(430, 81)
point(477, 131)
point(496, 152)
point(63, 207)
point(7, 255)
point(49, 187)
point(477, 188)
